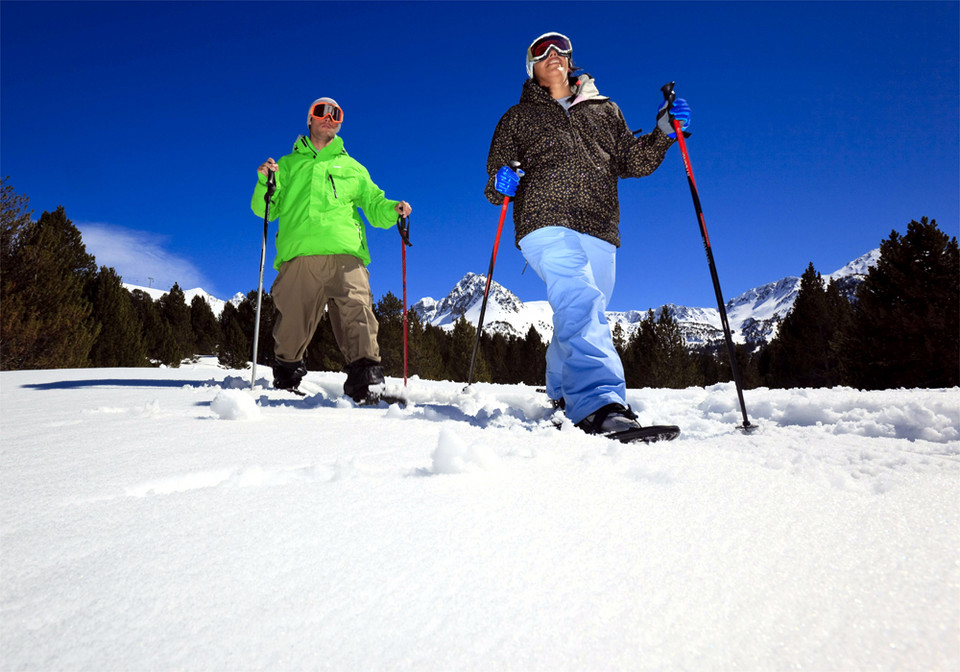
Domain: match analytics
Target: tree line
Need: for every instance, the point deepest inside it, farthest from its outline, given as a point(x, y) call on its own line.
point(58, 309)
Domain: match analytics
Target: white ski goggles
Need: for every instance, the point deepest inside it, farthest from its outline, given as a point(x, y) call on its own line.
point(541, 46)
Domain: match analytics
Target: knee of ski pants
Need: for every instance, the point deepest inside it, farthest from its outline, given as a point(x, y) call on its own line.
point(579, 271)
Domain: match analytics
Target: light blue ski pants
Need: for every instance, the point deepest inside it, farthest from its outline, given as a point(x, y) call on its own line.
point(579, 270)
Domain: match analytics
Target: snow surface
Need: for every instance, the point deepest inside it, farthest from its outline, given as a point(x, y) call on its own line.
point(174, 519)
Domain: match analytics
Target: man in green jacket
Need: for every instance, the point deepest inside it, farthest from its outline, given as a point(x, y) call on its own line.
point(322, 252)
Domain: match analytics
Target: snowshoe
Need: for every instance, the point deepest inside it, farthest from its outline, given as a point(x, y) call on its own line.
point(618, 422)
point(376, 394)
point(365, 384)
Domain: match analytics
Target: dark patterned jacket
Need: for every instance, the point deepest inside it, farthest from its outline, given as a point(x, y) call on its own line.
point(571, 162)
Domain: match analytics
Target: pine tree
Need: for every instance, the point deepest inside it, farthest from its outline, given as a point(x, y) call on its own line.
point(804, 351)
point(14, 220)
point(46, 319)
point(840, 312)
point(17, 334)
point(710, 368)
point(206, 328)
point(457, 360)
point(905, 330)
point(532, 362)
point(657, 355)
point(619, 339)
point(157, 334)
point(389, 313)
point(640, 354)
point(174, 310)
point(235, 348)
point(120, 341)
point(424, 349)
point(247, 316)
point(501, 357)
point(677, 368)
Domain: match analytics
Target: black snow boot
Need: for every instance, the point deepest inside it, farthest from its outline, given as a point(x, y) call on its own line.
point(287, 375)
point(361, 374)
point(611, 420)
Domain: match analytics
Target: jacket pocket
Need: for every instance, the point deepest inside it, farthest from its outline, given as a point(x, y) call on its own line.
point(344, 184)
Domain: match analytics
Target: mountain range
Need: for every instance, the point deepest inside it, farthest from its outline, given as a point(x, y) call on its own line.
point(752, 315)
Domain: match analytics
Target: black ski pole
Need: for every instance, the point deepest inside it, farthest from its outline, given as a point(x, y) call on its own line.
point(670, 96)
point(271, 186)
point(403, 226)
point(486, 291)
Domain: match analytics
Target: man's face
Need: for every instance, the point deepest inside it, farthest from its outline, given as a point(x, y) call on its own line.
point(551, 65)
point(326, 127)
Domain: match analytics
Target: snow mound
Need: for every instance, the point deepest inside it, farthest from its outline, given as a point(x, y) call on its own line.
point(235, 405)
point(453, 456)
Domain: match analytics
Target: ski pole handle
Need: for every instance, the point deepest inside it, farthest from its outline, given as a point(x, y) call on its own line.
point(271, 185)
point(670, 97)
point(514, 166)
point(403, 228)
point(668, 93)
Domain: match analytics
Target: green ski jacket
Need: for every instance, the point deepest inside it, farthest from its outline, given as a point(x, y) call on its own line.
point(316, 200)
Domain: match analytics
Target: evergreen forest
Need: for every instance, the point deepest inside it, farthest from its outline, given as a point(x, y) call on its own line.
point(58, 309)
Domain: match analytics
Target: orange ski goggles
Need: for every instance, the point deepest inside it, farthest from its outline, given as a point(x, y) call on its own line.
point(321, 110)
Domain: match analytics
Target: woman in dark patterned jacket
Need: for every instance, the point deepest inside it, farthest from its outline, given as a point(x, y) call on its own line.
point(573, 146)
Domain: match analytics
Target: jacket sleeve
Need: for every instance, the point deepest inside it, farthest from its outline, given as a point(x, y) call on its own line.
point(503, 148)
point(639, 157)
point(258, 202)
point(378, 209)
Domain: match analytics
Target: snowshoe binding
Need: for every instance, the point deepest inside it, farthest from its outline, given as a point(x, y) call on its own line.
point(287, 376)
point(618, 422)
point(365, 384)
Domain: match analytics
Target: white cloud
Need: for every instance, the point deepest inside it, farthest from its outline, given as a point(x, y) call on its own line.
point(139, 257)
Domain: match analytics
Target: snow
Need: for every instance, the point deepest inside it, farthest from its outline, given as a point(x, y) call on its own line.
point(174, 519)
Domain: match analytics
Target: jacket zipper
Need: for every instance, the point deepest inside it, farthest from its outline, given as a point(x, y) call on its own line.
point(333, 184)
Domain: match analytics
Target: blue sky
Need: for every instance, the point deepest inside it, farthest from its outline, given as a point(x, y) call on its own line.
point(817, 129)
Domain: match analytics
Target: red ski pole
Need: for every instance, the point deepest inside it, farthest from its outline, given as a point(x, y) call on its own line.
point(670, 96)
point(486, 290)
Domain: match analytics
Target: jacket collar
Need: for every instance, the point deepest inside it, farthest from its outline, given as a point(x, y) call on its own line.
point(304, 146)
point(583, 85)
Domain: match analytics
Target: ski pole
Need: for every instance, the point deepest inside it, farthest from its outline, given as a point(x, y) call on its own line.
point(486, 291)
point(403, 226)
point(670, 96)
point(271, 186)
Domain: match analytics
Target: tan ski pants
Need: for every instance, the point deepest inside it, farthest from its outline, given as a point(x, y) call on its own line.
point(304, 286)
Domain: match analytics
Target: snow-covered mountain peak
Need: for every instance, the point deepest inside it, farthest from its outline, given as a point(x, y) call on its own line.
point(752, 315)
point(505, 312)
point(216, 305)
point(859, 266)
point(466, 299)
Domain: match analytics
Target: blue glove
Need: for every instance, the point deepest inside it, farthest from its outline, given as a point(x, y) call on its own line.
point(680, 112)
point(507, 180)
